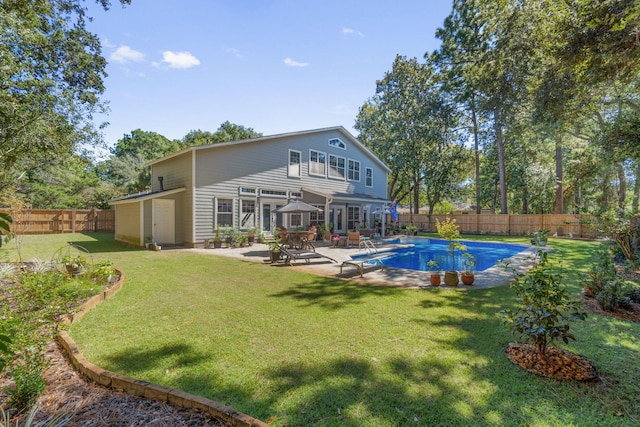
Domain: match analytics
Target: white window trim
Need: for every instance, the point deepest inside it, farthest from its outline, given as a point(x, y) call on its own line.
point(365, 177)
point(326, 159)
point(359, 169)
point(344, 176)
point(289, 164)
point(342, 145)
point(216, 201)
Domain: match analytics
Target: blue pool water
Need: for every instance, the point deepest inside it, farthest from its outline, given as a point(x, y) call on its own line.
point(417, 257)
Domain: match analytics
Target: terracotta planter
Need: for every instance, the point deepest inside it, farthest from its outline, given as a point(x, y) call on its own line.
point(467, 279)
point(435, 279)
point(451, 278)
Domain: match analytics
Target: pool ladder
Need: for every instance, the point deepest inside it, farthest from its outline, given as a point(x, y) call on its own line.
point(367, 244)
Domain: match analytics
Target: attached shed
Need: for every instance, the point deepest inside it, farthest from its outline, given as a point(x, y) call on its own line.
point(150, 217)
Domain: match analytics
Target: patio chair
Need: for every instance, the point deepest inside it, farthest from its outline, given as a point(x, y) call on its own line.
point(283, 236)
point(307, 242)
point(296, 254)
point(353, 237)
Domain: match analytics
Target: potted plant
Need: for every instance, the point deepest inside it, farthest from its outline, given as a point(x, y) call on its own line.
point(540, 237)
point(251, 235)
point(154, 246)
point(274, 251)
point(230, 237)
point(469, 262)
point(412, 230)
point(217, 239)
point(242, 240)
point(450, 231)
point(434, 268)
point(74, 265)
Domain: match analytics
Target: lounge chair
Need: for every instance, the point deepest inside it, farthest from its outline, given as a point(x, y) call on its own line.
point(359, 263)
point(296, 254)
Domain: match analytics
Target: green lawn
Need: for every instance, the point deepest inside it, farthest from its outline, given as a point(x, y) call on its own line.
point(294, 349)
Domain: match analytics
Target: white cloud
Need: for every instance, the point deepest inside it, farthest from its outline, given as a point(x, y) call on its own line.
point(180, 59)
point(125, 54)
point(352, 32)
point(291, 63)
point(235, 52)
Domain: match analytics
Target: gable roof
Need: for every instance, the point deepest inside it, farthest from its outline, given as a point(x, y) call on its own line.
point(339, 129)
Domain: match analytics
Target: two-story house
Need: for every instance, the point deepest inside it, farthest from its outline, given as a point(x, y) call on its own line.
point(243, 183)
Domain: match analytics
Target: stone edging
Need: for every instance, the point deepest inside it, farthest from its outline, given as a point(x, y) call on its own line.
point(143, 388)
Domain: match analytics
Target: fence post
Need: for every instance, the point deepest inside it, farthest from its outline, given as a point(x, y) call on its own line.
point(73, 220)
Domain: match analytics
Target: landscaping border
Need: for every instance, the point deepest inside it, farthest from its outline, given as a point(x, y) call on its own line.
point(141, 388)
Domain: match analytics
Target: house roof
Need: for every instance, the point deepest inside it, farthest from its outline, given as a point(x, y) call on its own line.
point(148, 195)
point(340, 129)
point(341, 195)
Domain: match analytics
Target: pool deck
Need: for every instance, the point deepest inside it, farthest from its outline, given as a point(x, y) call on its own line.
point(495, 276)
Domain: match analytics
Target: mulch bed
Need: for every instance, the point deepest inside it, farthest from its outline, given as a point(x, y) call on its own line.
point(561, 364)
point(92, 405)
point(556, 363)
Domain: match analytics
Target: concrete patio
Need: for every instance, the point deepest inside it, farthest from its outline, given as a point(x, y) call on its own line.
point(495, 276)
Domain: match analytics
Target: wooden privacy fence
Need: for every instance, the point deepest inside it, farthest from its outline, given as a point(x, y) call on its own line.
point(568, 225)
point(43, 221)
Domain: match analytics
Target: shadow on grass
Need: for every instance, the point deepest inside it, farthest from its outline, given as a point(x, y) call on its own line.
point(136, 360)
point(102, 243)
point(333, 294)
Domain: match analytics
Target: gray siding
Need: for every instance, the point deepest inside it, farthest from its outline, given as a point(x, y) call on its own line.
point(263, 164)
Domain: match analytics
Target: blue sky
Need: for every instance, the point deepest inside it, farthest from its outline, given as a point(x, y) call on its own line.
point(275, 66)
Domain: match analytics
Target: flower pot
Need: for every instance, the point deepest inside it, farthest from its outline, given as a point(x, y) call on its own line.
point(435, 279)
point(274, 256)
point(467, 279)
point(451, 278)
point(73, 269)
point(217, 244)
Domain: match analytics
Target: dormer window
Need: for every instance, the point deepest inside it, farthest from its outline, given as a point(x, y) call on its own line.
point(336, 142)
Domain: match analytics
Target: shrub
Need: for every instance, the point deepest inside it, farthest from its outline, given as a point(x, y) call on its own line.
point(4, 350)
point(602, 271)
point(614, 296)
point(102, 272)
point(634, 295)
point(545, 307)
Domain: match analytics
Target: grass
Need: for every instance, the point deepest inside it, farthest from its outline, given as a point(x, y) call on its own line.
point(294, 349)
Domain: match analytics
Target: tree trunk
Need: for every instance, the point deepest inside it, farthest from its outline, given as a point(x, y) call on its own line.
point(636, 190)
point(476, 147)
point(525, 200)
point(416, 194)
point(622, 186)
point(497, 126)
point(559, 203)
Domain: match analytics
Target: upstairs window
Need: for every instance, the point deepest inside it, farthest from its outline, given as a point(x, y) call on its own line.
point(295, 158)
point(353, 172)
point(368, 177)
point(336, 167)
point(335, 142)
point(317, 163)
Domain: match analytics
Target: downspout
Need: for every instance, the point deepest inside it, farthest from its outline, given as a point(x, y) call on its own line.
point(193, 198)
point(328, 201)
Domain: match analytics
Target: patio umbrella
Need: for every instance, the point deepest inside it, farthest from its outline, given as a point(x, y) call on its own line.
point(298, 207)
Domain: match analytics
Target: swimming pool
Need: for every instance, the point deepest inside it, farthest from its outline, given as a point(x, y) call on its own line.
point(423, 250)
